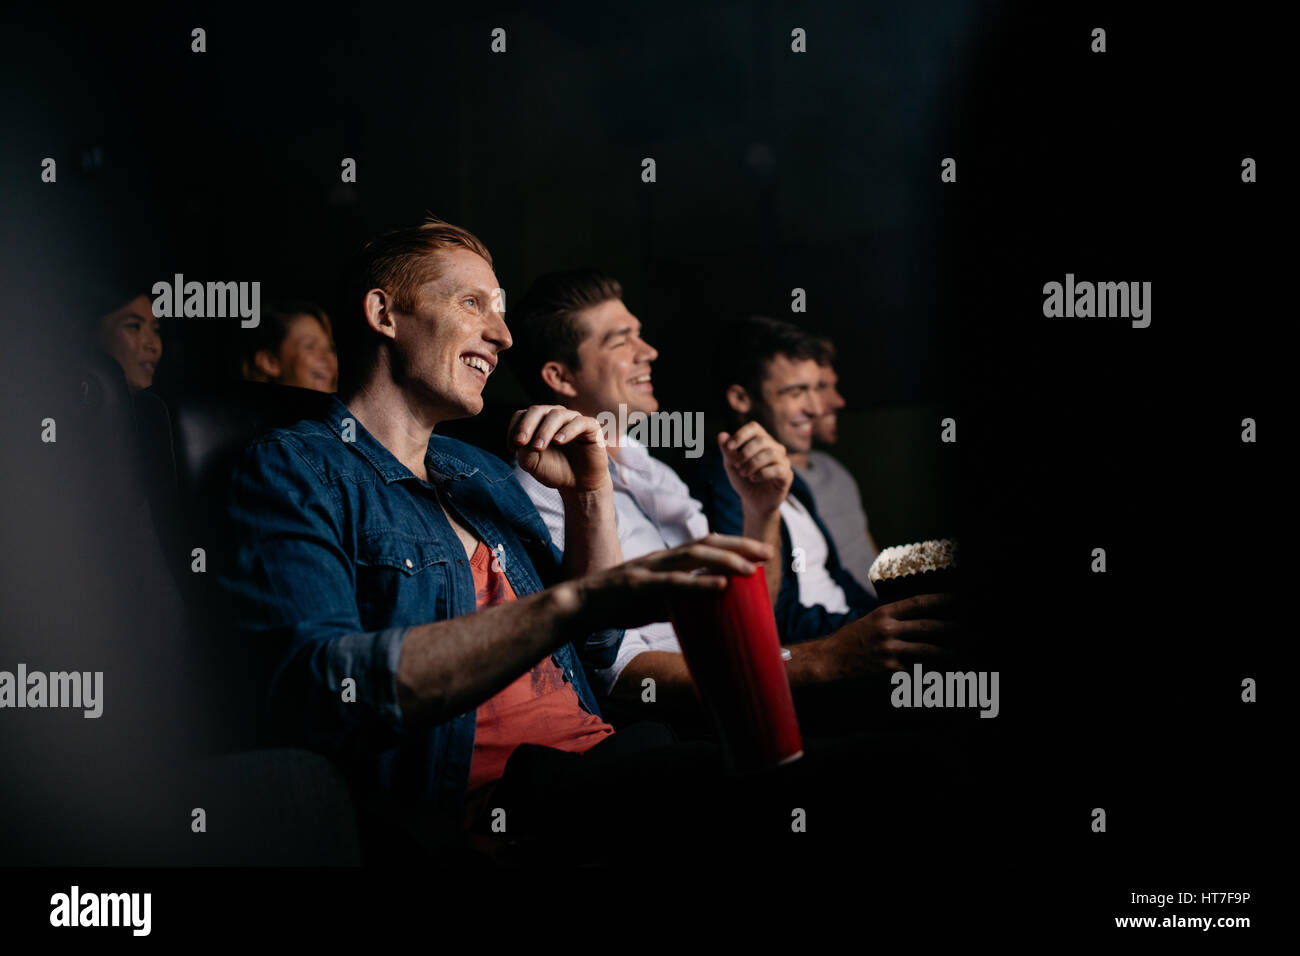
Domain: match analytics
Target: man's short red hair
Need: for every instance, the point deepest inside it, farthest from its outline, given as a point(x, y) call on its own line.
point(401, 261)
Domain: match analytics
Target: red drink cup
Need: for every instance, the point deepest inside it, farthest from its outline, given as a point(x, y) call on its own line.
point(731, 647)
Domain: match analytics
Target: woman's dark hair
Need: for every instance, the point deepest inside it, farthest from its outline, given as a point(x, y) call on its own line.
point(99, 298)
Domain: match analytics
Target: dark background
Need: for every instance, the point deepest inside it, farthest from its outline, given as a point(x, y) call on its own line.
point(778, 170)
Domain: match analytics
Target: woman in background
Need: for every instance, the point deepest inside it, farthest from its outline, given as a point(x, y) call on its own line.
point(130, 335)
point(294, 345)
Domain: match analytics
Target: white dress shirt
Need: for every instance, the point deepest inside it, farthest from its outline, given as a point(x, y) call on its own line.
point(654, 510)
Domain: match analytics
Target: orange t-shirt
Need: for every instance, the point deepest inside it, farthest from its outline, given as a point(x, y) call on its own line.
point(540, 707)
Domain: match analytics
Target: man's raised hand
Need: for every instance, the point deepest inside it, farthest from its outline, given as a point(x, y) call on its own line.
point(561, 448)
point(757, 467)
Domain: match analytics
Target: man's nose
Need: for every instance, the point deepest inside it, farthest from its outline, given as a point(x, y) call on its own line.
point(497, 332)
point(648, 352)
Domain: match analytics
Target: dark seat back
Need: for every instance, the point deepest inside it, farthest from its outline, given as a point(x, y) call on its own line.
point(189, 444)
point(105, 422)
point(206, 430)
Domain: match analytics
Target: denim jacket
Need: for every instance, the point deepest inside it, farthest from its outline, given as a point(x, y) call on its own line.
point(338, 550)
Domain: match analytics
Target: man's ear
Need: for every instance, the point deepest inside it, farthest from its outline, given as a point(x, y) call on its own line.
point(378, 306)
point(739, 400)
point(559, 379)
point(266, 363)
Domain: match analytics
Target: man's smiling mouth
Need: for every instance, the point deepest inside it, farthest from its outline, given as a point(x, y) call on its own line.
point(478, 363)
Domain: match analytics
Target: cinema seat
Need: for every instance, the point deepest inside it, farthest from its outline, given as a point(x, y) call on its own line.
point(189, 442)
point(272, 807)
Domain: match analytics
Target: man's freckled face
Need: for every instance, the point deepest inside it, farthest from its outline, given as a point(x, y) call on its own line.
point(790, 404)
point(449, 343)
point(613, 362)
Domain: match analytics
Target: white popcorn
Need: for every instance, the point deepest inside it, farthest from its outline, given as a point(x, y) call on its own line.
point(905, 559)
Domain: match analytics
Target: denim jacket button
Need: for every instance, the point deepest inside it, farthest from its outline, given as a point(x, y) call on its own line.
point(410, 563)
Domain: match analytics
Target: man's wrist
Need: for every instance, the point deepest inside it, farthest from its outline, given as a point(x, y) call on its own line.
point(754, 512)
point(568, 607)
point(810, 663)
point(587, 499)
point(758, 522)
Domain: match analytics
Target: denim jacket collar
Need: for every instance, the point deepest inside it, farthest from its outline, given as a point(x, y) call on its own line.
point(439, 461)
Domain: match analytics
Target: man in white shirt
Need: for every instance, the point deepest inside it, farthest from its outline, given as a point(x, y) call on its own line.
point(577, 344)
point(839, 502)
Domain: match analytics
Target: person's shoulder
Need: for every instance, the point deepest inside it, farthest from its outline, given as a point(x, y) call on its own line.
point(305, 455)
point(665, 478)
point(820, 459)
point(309, 440)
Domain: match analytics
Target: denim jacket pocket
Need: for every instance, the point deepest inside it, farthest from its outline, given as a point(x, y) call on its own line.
point(402, 580)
